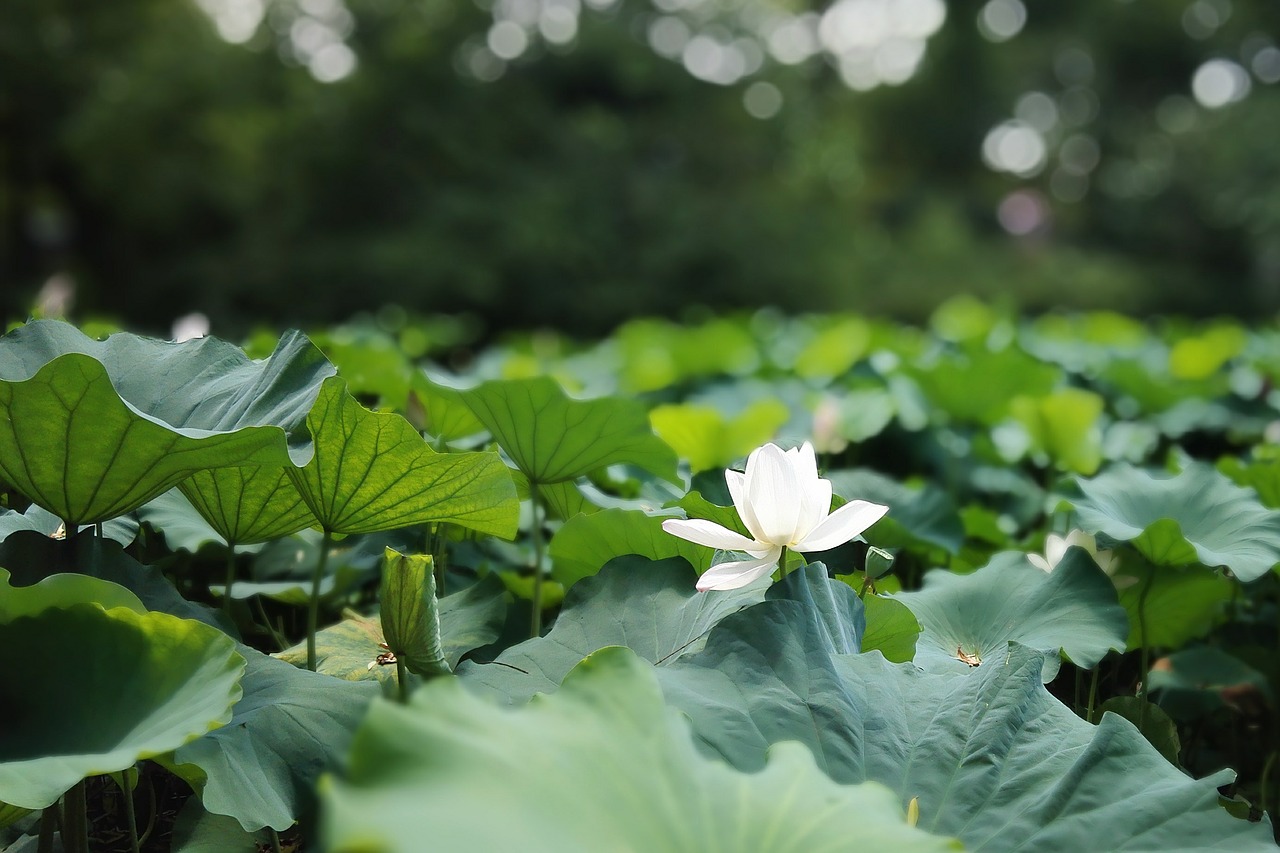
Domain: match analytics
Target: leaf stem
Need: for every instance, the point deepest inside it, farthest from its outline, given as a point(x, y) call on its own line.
point(1146, 651)
point(48, 825)
point(402, 681)
point(275, 841)
point(535, 629)
point(313, 612)
point(782, 563)
point(231, 579)
point(1093, 695)
point(75, 819)
point(129, 813)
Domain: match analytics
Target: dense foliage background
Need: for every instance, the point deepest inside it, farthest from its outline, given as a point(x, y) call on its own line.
point(296, 161)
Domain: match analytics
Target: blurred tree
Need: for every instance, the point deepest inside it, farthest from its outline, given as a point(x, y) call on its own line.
point(338, 158)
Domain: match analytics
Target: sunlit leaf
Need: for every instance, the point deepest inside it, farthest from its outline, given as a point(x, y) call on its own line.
point(552, 438)
point(248, 505)
point(627, 778)
point(72, 445)
point(372, 471)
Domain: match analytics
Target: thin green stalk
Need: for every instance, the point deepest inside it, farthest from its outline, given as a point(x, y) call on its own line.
point(402, 680)
point(231, 579)
point(276, 636)
point(275, 841)
point(48, 826)
point(782, 563)
point(313, 612)
point(867, 584)
point(75, 819)
point(1146, 652)
point(535, 629)
point(1093, 695)
point(129, 813)
point(1075, 693)
point(1265, 784)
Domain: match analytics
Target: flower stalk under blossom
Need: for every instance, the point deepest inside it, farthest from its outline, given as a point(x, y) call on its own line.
point(784, 505)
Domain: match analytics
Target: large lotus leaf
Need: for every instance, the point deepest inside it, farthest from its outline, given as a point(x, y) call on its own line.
point(553, 438)
point(837, 612)
point(990, 755)
point(372, 471)
point(123, 529)
point(1197, 681)
point(969, 620)
point(472, 617)
point(204, 384)
point(1196, 516)
point(1261, 473)
point(291, 726)
point(1180, 604)
point(587, 542)
point(62, 590)
point(71, 444)
point(707, 439)
point(178, 523)
point(143, 684)
point(917, 517)
point(248, 505)
point(602, 765)
point(652, 608)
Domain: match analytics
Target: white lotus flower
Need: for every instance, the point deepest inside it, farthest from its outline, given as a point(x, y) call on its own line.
point(784, 504)
point(1055, 548)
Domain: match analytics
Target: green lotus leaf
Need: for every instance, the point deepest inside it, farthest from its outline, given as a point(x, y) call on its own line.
point(978, 386)
point(587, 542)
point(892, 629)
point(446, 415)
point(1261, 473)
point(410, 613)
point(650, 607)
point(626, 777)
point(834, 350)
point(1064, 427)
point(178, 523)
point(552, 438)
point(1196, 516)
point(1150, 719)
point(918, 517)
point(247, 505)
point(707, 439)
point(348, 650)
point(472, 617)
point(183, 679)
point(291, 725)
point(32, 558)
point(62, 590)
point(123, 529)
point(969, 620)
point(991, 756)
point(71, 444)
point(204, 384)
point(371, 471)
point(1181, 604)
